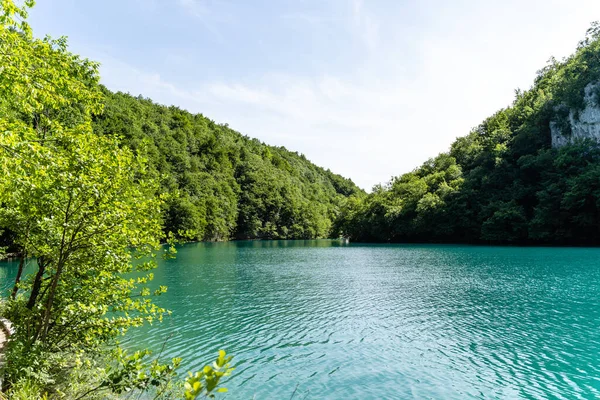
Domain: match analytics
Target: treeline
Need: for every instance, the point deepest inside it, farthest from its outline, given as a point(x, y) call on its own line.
point(220, 184)
point(502, 183)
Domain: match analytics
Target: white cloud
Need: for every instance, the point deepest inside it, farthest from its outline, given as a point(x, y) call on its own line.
point(395, 108)
point(352, 128)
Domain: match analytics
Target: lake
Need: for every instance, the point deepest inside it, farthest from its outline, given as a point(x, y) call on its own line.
point(323, 319)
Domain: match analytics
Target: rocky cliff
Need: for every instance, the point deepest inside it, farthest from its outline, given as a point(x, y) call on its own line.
point(571, 125)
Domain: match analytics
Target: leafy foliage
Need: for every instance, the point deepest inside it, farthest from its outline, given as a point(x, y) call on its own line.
point(502, 183)
point(84, 212)
point(204, 382)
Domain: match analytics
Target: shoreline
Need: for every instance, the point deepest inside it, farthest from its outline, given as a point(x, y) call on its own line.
point(405, 243)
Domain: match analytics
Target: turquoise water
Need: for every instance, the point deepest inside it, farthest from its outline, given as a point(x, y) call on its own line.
point(328, 320)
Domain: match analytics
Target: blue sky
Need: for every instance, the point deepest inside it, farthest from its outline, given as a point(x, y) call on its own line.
point(369, 89)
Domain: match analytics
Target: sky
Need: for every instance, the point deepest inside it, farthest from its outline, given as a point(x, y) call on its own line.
point(367, 88)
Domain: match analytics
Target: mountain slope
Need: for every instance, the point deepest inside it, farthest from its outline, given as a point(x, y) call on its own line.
point(229, 186)
point(505, 182)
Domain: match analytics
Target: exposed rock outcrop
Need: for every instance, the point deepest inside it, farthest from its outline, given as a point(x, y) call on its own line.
point(571, 125)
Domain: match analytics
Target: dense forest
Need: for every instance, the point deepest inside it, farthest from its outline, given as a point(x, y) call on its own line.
point(222, 185)
point(504, 182)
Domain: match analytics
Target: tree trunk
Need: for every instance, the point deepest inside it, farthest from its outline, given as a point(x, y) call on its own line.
point(37, 283)
point(13, 295)
point(48, 308)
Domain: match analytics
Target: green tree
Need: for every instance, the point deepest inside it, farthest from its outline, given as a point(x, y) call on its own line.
point(79, 205)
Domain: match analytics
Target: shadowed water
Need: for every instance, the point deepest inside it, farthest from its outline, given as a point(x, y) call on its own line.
point(385, 321)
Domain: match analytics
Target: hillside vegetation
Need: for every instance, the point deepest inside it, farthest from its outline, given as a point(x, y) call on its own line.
point(92, 184)
point(503, 182)
point(227, 186)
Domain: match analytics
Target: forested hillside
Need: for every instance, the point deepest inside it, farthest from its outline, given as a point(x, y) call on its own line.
point(504, 182)
point(222, 185)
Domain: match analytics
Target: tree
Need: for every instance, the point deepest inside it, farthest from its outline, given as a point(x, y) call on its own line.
point(80, 206)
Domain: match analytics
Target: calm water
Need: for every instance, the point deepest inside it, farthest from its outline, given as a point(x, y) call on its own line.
point(385, 321)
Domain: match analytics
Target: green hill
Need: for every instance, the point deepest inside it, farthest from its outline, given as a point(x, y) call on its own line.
point(229, 186)
point(529, 174)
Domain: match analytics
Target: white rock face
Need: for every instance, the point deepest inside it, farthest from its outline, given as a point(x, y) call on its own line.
point(587, 126)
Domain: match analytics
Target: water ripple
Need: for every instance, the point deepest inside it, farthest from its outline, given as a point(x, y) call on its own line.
point(388, 322)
